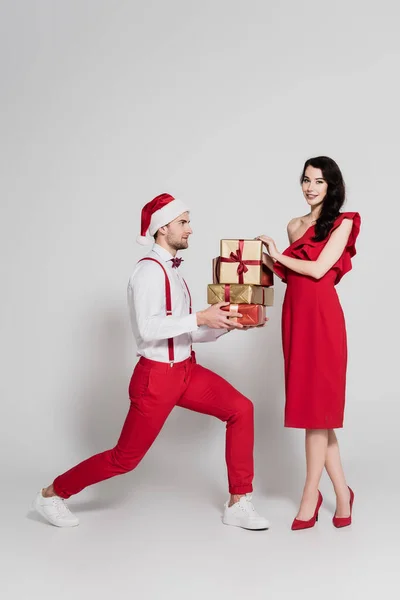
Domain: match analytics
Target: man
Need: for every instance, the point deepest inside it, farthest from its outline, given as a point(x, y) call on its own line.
point(167, 376)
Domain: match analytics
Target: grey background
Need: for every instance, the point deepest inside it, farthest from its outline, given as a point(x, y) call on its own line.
point(103, 106)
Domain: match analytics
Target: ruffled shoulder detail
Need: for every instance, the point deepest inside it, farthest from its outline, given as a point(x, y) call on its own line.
point(306, 248)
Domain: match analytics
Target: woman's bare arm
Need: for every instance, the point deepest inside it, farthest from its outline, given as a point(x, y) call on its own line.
point(328, 257)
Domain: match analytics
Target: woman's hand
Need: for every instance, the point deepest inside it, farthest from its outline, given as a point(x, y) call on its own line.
point(270, 245)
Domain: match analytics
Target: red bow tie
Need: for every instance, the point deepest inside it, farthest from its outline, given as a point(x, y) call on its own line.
point(176, 262)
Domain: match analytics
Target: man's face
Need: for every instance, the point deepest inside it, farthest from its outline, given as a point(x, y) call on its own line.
point(176, 234)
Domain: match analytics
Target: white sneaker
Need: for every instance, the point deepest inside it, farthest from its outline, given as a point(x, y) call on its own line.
point(55, 511)
point(243, 514)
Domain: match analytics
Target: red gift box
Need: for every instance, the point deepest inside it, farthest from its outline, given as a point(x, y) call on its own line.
point(253, 315)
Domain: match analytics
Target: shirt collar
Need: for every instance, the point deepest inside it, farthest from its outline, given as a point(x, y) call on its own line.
point(162, 253)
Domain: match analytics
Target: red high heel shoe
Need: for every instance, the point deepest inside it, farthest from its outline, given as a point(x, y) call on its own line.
point(344, 521)
point(297, 524)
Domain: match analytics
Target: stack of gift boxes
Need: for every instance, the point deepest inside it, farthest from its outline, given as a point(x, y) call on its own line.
point(241, 278)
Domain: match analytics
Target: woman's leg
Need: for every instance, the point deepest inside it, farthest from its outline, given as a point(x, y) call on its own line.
point(333, 466)
point(316, 449)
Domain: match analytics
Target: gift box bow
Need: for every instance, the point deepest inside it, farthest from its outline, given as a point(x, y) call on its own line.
point(237, 257)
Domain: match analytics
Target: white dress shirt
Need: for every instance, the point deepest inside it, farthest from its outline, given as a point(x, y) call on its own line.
point(147, 308)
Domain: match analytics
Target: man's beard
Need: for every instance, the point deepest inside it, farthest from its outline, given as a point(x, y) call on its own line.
point(181, 245)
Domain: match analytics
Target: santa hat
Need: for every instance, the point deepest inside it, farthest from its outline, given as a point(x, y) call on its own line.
point(159, 212)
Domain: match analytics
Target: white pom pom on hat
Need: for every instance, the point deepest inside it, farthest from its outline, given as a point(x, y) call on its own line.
point(158, 212)
point(142, 240)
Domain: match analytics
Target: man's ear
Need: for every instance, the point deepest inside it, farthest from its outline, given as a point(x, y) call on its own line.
point(162, 230)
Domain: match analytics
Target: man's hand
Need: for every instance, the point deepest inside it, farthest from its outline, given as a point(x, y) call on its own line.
point(216, 318)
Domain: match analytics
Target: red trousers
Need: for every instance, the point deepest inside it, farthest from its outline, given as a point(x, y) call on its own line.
point(154, 390)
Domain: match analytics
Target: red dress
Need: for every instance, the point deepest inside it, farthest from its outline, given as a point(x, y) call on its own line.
point(314, 335)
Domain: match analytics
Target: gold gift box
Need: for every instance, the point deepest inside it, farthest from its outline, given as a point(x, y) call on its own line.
point(241, 262)
point(237, 293)
point(267, 276)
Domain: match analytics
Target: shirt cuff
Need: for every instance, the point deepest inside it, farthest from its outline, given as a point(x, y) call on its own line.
point(221, 332)
point(192, 323)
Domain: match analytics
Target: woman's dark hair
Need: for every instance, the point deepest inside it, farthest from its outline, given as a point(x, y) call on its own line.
point(335, 195)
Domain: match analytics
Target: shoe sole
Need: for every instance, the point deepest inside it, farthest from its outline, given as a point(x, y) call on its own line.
point(238, 524)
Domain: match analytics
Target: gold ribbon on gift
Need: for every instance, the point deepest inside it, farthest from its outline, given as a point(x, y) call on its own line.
point(234, 308)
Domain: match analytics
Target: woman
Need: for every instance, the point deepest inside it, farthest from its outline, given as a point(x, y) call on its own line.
point(322, 244)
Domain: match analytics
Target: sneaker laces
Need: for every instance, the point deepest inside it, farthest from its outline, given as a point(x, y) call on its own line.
point(61, 507)
point(248, 506)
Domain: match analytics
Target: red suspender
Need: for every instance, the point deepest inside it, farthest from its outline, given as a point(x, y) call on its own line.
point(190, 304)
point(190, 297)
point(168, 306)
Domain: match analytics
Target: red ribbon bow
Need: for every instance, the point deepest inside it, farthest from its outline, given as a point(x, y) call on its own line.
point(238, 257)
point(176, 261)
